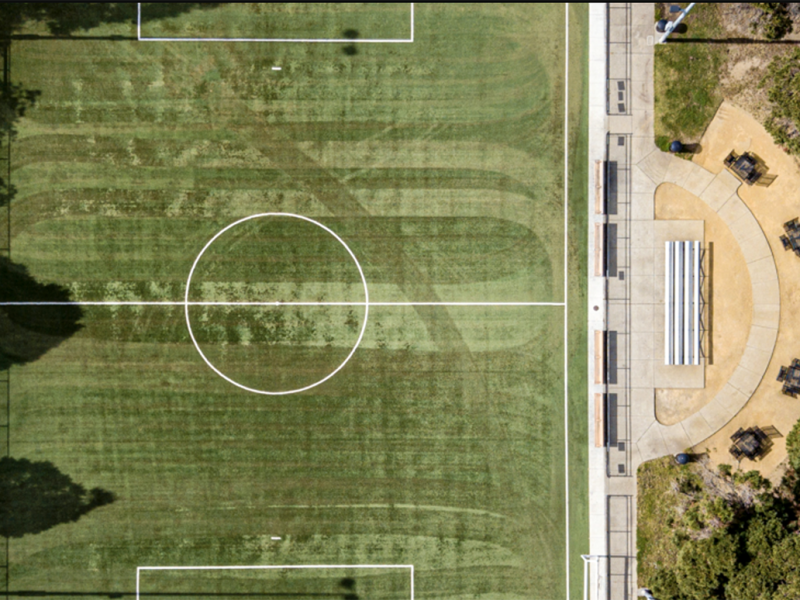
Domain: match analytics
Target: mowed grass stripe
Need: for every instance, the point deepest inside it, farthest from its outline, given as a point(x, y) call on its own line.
point(454, 420)
point(450, 251)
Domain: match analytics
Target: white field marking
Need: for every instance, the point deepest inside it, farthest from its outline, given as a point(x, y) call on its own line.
point(566, 286)
point(365, 304)
point(418, 507)
point(274, 303)
point(273, 567)
point(276, 68)
point(276, 537)
point(304, 40)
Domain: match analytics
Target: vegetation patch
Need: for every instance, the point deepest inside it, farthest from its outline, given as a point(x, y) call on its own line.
point(687, 92)
point(782, 82)
point(696, 70)
point(774, 22)
point(706, 534)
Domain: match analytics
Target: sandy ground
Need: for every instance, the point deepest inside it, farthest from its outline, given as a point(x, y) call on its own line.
point(730, 303)
point(733, 128)
point(745, 63)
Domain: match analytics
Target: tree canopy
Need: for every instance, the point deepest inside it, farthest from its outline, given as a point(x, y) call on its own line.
point(718, 536)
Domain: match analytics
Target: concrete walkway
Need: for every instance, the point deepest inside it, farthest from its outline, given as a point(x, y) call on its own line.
point(719, 192)
point(626, 289)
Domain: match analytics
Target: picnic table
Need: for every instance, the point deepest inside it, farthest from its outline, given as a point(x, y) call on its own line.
point(791, 241)
point(790, 376)
point(744, 166)
point(749, 442)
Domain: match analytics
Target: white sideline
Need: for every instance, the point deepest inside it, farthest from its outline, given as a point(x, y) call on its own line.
point(566, 281)
point(272, 567)
point(295, 40)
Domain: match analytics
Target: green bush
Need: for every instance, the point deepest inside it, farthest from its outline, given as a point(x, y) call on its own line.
point(783, 91)
point(688, 483)
point(753, 552)
point(793, 446)
point(693, 519)
point(754, 479)
point(720, 509)
point(776, 20)
point(724, 469)
point(762, 534)
point(705, 566)
point(662, 142)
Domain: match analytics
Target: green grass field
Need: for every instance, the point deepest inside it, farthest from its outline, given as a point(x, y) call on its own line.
point(440, 163)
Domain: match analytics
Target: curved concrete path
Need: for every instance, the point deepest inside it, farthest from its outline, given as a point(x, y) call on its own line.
point(719, 192)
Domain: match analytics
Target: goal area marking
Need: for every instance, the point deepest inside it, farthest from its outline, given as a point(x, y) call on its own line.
point(289, 40)
point(274, 568)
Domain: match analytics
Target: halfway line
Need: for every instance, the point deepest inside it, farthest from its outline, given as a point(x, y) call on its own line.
point(274, 303)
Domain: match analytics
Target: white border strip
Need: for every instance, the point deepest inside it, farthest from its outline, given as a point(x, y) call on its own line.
point(295, 40)
point(272, 567)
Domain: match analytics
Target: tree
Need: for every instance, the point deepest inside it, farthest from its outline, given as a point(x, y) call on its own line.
point(705, 566)
point(793, 446)
point(35, 496)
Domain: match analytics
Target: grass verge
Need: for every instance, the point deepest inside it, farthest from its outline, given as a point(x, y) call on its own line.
point(686, 75)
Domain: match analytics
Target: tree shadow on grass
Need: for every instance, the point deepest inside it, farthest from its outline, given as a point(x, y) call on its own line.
point(66, 18)
point(28, 332)
point(35, 496)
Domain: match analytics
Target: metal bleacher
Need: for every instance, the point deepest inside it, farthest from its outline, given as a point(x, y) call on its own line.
point(682, 333)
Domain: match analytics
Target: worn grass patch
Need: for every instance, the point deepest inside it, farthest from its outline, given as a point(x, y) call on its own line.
point(656, 514)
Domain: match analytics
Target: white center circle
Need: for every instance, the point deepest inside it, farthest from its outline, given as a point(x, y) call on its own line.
point(186, 304)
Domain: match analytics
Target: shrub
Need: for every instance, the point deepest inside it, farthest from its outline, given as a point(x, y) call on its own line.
point(762, 534)
point(721, 510)
point(775, 20)
point(793, 446)
point(705, 566)
point(783, 91)
point(693, 519)
point(754, 479)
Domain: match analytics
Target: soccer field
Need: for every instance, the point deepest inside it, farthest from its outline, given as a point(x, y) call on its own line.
point(330, 314)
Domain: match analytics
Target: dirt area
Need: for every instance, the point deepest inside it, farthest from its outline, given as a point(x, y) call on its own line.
point(734, 128)
point(730, 303)
point(746, 62)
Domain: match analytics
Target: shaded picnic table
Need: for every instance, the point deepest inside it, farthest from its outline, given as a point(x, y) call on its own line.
point(744, 166)
point(751, 442)
point(790, 376)
point(791, 241)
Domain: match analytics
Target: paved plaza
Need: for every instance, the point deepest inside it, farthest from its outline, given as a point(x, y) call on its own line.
point(626, 304)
